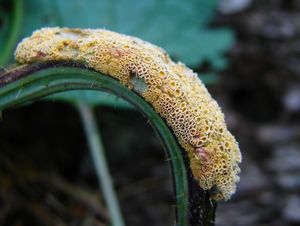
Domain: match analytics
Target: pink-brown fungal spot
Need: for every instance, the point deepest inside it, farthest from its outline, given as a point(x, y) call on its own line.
point(116, 52)
point(40, 55)
point(202, 154)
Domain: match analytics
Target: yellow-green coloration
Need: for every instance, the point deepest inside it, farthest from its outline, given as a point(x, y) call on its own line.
point(174, 90)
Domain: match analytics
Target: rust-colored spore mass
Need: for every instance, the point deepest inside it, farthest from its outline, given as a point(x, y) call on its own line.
point(174, 90)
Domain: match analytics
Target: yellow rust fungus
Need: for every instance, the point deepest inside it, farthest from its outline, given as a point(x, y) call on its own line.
point(174, 90)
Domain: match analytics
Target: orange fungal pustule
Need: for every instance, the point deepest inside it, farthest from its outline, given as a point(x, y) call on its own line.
point(174, 91)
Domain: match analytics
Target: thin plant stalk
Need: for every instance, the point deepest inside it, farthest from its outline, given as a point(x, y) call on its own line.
point(96, 148)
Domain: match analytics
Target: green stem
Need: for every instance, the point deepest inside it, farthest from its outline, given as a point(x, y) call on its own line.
point(30, 82)
point(96, 148)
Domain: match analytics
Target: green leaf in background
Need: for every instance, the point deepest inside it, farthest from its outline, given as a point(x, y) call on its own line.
point(178, 26)
point(11, 13)
point(88, 97)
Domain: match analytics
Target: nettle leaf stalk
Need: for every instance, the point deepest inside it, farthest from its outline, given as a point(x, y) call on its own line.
point(174, 91)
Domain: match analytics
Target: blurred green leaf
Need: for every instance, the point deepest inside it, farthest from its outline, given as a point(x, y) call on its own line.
point(103, 98)
point(11, 13)
point(180, 27)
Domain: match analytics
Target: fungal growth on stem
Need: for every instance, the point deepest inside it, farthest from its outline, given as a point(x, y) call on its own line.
point(173, 90)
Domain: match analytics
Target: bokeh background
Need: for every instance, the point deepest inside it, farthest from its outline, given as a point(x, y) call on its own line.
point(246, 51)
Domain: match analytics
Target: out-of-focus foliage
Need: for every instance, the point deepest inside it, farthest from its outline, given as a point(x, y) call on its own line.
point(180, 27)
point(10, 27)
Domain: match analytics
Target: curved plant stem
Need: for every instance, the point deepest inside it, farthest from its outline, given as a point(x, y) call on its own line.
point(15, 26)
point(29, 82)
point(96, 148)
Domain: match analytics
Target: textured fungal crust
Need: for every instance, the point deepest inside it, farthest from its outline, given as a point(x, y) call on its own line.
point(174, 90)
